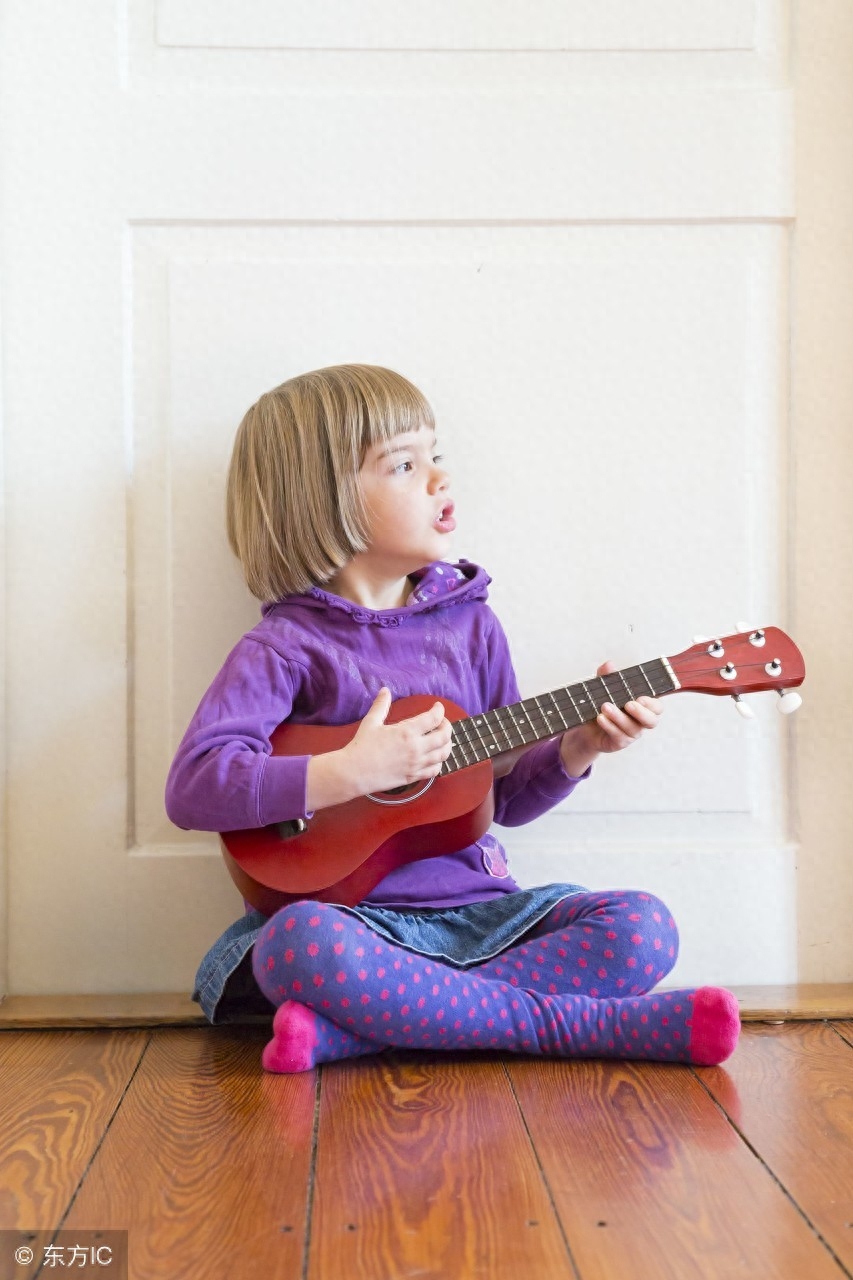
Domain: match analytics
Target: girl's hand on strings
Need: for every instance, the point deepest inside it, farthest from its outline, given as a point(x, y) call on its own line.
point(383, 756)
point(612, 730)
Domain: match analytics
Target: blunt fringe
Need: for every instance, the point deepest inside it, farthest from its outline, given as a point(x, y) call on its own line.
point(294, 511)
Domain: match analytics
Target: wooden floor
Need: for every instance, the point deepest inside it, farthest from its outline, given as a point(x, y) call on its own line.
point(418, 1165)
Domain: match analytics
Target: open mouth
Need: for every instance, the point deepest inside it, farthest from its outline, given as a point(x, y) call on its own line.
point(444, 520)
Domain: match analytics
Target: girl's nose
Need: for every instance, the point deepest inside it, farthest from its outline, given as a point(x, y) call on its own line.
point(440, 478)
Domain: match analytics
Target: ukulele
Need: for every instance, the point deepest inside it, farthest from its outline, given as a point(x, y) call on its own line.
point(342, 851)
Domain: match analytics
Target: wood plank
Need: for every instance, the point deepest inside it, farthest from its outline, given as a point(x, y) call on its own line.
point(207, 1163)
point(425, 1168)
point(844, 1029)
point(60, 1090)
point(175, 1008)
point(789, 1091)
point(651, 1181)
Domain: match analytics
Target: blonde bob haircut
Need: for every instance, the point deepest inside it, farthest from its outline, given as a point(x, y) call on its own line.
point(294, 508)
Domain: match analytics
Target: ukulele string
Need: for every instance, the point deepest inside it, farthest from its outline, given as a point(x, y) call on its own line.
point(463, 737)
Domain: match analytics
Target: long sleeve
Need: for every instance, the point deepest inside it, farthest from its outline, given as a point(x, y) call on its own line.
point(224, 776)
point(538, 781)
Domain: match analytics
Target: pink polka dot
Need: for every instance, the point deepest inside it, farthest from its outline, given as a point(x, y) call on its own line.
point(312, 948)
point(314, 921)
point(636, 939)
point(341, 977)
point(362, 973)
point(365, 999)
point(318, 980)
point(288, 955)
point(338, 948)
point(631, 961)
point(288, 924)
point(337, 926)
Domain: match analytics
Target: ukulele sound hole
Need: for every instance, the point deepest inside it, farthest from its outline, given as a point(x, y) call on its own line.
point(287, 830)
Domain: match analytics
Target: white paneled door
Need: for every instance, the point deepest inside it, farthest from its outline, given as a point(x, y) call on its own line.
point(567, 222)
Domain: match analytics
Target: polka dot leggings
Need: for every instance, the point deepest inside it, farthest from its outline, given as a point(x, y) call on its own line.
point(575, 985)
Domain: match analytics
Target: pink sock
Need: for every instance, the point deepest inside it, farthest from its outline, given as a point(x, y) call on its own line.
point(302, 1039)
point(716, 1026)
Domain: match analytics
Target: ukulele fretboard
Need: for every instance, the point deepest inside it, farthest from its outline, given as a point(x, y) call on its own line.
point(490, 734)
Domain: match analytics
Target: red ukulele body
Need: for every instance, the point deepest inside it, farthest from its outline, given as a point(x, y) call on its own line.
point(348, 848)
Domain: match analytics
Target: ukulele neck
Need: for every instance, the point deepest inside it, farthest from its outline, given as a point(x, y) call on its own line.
point(490, 734)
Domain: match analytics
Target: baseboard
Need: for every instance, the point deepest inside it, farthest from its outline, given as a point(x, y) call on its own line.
point(803, 1002)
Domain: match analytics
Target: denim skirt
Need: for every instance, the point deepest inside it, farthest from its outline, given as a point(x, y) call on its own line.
point(225, 985)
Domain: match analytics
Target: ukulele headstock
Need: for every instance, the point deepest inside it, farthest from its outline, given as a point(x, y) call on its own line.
point(746, 662)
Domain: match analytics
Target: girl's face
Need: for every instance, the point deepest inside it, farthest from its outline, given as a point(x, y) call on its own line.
point(407, 493)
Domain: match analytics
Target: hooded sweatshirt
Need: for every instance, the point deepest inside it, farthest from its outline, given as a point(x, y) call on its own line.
point(316, 658)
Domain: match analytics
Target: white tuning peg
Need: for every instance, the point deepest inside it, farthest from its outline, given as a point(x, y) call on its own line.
point(741, 707)
point(789, 701)
point(700, 639)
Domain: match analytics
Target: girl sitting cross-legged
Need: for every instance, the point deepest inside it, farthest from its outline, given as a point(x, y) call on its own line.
point(339, 509)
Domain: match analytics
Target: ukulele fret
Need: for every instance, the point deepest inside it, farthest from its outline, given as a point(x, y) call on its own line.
point(487, 750)
point(496, 714)
point(544, 715)
point(460, 734)
point(518, 724)
point(559, 712)
point(647, 680)
point(575, 707)
point(627, 686)
point(589, 695)
point(607, 694)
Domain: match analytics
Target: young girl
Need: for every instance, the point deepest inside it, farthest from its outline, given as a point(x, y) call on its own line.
point(339, 510)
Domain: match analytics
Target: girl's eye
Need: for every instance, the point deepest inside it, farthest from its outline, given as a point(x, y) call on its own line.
point(439, 457)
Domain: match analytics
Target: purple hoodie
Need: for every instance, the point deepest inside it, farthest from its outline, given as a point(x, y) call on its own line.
point(319, 659)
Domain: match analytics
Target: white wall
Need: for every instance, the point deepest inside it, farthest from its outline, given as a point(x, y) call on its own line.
point(575, 229)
